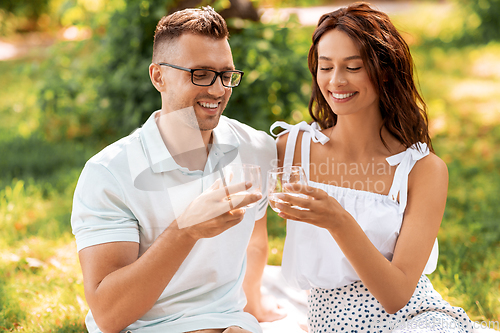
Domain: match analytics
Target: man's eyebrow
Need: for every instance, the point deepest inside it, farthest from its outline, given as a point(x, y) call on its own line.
point(353, 57)
point(227, 68)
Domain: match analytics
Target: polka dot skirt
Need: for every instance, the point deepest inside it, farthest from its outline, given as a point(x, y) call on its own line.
point(353, 309)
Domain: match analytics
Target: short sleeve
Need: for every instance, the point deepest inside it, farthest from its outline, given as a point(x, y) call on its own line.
point(267, 155)
point(100, 213)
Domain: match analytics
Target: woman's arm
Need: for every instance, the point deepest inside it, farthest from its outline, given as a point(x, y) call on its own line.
point(280, 147)
point(392, 283)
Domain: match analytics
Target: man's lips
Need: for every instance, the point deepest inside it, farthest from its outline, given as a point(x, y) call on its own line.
point(209, 105)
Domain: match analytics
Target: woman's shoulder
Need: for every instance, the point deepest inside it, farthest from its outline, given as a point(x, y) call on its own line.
point(430, 168)
point(433, 163)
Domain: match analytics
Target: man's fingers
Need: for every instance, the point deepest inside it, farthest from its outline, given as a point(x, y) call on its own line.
point(239, 187)
point(237, 213)
point(223, 191)
point(215, 185)
point(243, 199)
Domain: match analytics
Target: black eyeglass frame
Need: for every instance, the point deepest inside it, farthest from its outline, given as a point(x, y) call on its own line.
point(217, 74)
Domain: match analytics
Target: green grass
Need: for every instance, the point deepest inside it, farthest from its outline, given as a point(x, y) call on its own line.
point(41, 286)
point(461, 88)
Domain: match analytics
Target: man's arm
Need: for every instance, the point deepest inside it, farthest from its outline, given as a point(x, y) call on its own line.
point(262, 308)
point(120, 287)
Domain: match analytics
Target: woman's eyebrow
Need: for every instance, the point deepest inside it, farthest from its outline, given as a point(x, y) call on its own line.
point(353, 57)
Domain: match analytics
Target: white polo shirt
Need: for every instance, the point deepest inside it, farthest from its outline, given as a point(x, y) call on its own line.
point(133, 189)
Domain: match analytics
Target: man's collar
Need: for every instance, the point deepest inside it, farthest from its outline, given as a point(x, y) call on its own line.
point(224, 136)
point(160, 159)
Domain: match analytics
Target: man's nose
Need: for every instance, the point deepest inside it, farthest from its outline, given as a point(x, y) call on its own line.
point(217, 89)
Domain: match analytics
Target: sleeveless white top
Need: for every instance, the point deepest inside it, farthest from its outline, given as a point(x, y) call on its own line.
point(311, 257)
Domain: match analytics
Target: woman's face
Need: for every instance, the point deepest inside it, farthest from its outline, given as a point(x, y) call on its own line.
point(342, 76)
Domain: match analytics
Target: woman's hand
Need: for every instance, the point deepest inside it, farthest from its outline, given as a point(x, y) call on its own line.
point(317, 208)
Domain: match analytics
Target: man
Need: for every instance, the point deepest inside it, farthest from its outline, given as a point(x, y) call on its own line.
point(161, 244)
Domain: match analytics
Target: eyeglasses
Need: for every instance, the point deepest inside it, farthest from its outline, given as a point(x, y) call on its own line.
point(207, 77)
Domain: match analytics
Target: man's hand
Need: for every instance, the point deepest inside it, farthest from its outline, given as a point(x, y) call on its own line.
point(213, 212)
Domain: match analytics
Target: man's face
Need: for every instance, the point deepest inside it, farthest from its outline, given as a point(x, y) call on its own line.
point(194, 51)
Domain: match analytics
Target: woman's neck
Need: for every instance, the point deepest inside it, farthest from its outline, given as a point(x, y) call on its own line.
point(358, 136)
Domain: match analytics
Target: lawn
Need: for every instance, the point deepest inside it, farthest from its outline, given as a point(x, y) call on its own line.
point(41, 286)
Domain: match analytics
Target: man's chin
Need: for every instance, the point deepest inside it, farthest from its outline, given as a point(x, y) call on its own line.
point(208, 125)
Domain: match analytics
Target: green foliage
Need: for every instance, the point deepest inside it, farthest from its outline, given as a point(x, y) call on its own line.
point(125, 91)
point(456, 24)
point(31, 8)
point(292, 3)
point(276, 84)
point(108, 94)
point(487, 12)
point(23, 15)
point(38, 158)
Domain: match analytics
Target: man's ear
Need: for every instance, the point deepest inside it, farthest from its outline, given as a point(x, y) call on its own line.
point(156, 77)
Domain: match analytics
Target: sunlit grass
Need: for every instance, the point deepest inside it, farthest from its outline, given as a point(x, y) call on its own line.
point(41, 284)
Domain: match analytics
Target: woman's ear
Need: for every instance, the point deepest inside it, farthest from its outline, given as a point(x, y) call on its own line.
point(157, 77)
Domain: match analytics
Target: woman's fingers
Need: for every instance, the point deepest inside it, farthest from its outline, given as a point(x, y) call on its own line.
point(290, 213)
point(302, 203)
point(304, 189)
point(295, 199)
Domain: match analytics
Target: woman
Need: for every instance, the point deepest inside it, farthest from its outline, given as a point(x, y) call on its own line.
point(376, 193)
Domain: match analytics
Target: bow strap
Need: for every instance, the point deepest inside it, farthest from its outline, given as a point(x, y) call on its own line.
point(313, 130)
point(406, 161)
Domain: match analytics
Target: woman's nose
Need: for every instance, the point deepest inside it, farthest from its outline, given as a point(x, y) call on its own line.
point(338, 78)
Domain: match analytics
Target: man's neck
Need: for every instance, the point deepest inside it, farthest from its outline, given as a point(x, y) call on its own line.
point(188, 146)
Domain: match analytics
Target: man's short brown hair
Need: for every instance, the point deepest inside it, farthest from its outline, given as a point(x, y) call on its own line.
point(203, 21)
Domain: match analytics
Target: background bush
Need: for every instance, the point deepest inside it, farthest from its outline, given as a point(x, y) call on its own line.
point(108, 93)
point(486, 14)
